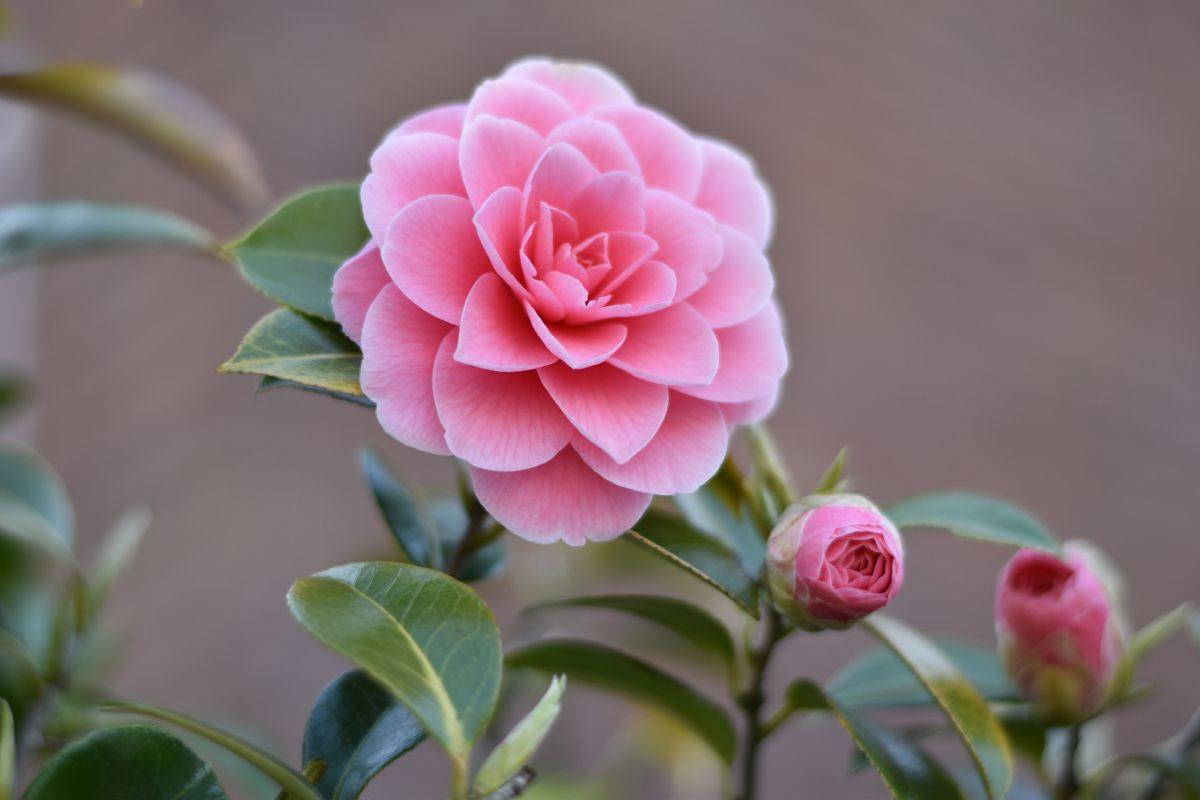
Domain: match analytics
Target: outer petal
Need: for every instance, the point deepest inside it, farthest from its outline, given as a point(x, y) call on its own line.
point(495, 153)
point(495, 332)
point(669, 156)
point(687, 451)
point(557, 178)
point(687, 238)
point(740, 285)
point(584, 86)
point(600, 142)
point(751, 411)
point(446, 120)
point(617, 412)
point(612, 202)
point(753, 359)
point(674, 346)
point(524, 101)
point(733, 193)
point(496, 420)
point(433, 254)
point(400, 343)
point(580, 346)
point(356, 284)
point(405, 168)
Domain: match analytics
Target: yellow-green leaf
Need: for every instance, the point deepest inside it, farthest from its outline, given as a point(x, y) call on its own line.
point(292, 347)
point(522, 741)
point(8, 751)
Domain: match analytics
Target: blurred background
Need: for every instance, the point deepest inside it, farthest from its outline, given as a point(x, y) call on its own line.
point(989, 220)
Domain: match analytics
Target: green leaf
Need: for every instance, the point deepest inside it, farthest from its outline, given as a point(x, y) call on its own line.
point(409, 524)
point(14, 390)
point(685, 619)
point(880, 678)
point(292, 254)
point(267, 383)
point(357, 728)
point(34, 507)
point(967, 711)
point(430, 639)
point(288, 779)
point(1157, 632)
point(292, 347)
point(451, 522)
point(8, 752)
point(698, 554)
point(832, 479)
point(511, 755)
point(45, 230)
point(973, 516)
point(126, 762)
point(717, 509)
point(615, 671)
point(115, 554)
point(168, 118)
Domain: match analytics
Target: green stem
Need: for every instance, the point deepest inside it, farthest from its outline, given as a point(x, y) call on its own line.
point(751, 702)
point(1067, 786)
point(460, 780)
point(478, 536)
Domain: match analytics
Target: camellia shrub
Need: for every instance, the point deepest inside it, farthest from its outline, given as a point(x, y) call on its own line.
point(569, 294)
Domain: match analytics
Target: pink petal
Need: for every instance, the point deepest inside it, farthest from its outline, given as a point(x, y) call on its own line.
point(740, 285)
point(687, 451)
point(523, 101)
point(580, 346)
point(674, 346)
point(627, 252)
point(616, 411)
point(433, 254)
point(356, 284)
point(400, 343)
point(650, 288)
point(405, 168)
point(562, 499)
point(498, 223)
point(612, 202)
point(600, 142)
point(584, 86)
point(494, 153)
point(446, 120)
point(669, 156)
point(557, 178)
point(751, 411)
point(495, 334)
point(496, 420)
point(733, 193)
point(753, 359)
point(687, 238)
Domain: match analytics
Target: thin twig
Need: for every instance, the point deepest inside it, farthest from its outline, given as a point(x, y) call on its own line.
point(752, 699)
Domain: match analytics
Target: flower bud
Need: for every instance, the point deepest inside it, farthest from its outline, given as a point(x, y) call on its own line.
point(833, 559)
point(1058, 632)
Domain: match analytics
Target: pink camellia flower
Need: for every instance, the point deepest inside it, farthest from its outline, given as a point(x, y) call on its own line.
point(833, 559)
point(1058, 632)
point(567, 291)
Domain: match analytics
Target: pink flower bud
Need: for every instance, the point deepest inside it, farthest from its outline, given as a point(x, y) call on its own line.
point(833, 559)
point(1058, 632)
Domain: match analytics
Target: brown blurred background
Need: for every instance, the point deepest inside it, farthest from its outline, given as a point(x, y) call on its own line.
point(989, 220)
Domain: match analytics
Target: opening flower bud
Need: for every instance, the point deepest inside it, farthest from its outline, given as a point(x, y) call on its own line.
point(833, 559)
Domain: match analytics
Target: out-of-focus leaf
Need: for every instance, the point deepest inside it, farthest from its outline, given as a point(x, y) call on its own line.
point(717, 508)
point(34, 506)
point(13, 391)
point(619, 672)
point(428, 638)
point(8, 752)
point(685, 619)
point(450, 522)
point(1027, 736)
point(698, 554)
point(48, 230)
point(1157, 632)
point(560, 788)
point(292, 254)
point(292, 347)
point(115, 554)
point(267, 383)
point(357, 728)
point(967, 711)
point(880, 678)
point(512, 754)
point(156, 112)
point(972, 516)
point(297, 787)
point(125, 762)
point(831, 481)
point(409, 524)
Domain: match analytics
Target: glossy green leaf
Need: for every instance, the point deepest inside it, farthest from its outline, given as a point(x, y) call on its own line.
point(619, 672)
point(51, 230)
point(267, 383)
point(14, 390)
point(972, 516)
point(967, 711)
point(8, 752)
point(717, 508)
point(880, 678)
point(428, 638)
point(698, 554)
point(125, 762)
point(288, 779)
point(292, 254)
point(292, 347)
point(357, 728)
point(155, 112)
point(685, 619)
point(34, 507)
point(514, 752)
point(409, 523)
point(116, 552)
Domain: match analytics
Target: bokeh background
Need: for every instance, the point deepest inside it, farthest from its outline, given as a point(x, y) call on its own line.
point(989, 220)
